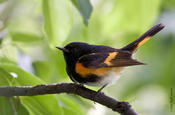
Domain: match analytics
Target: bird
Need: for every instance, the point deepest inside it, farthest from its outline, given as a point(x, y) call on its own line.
point(99, 65)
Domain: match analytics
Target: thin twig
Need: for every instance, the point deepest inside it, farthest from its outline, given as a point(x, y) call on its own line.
point(122, 107)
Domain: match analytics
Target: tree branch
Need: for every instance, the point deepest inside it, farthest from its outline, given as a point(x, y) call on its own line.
point(122, 107)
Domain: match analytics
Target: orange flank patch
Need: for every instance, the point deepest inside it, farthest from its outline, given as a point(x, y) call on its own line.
point(143, 41)
point(110, 57)
point(83, 71)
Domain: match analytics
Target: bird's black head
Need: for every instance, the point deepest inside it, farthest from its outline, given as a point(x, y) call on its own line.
point(74, 50)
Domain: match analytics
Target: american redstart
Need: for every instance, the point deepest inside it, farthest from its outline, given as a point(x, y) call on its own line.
point(99, 65)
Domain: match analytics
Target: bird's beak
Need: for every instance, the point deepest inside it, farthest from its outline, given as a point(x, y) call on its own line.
point(63, 49)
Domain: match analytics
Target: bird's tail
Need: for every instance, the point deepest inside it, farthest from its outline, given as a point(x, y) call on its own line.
point(142, 39)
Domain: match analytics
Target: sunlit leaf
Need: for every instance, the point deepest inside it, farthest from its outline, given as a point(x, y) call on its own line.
point(134, 16)
point(70, 106)
point(57, 20)
point(69, 111)
point(46, 104)
point(25, 37)
point(42, 69)
point(168, 3)
point(5, 108)
point(9, 105)
point(5, 78)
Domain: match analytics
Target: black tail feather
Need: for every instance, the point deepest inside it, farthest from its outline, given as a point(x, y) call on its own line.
point(142, 39)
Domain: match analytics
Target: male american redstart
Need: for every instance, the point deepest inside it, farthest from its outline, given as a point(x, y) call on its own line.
point(99, 65)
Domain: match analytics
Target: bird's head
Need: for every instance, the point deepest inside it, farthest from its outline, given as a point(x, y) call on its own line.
point(75, 50)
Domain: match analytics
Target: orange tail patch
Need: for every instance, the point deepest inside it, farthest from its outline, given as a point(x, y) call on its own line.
point(142, 42)
point(142, 39)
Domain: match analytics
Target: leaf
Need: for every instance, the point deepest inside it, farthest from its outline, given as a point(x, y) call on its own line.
point(69, 105)
point(42, 69)
point(85, 8)
point(134, 16)
point(69, 111)
point(6, 60)
point(5, 106)
point(25, 37)
point(9, 105)
point(5, 78)
point(168, 3)
point(58, 20)
point(2, 1)
point(52, 69)
point(46, 104)
point(20, 109)
point(8, 53)
point(39, 105)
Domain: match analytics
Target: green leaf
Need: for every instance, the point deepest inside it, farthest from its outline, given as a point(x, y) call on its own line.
point(134, 16)
point(39, 105)
point(69, 111)
point(42, 69)
point(8, 52)
point(9, 105)
point(46, 104)
point(58, 20)
point(168, 3)
point(5, 108)
point(5, 78)
point(6, 60)
point(21, 74)
point(69, 105)
point(2, 1)
point(25, 37)
point(85, 8)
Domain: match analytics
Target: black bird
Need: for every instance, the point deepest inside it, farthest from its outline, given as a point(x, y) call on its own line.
point(99, 65)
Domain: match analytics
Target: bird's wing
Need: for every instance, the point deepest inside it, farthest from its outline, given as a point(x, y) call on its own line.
point(107, 59)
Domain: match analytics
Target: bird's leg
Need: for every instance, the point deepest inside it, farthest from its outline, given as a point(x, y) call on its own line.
point(99, 91)
point(80, 84)
point(102, 88)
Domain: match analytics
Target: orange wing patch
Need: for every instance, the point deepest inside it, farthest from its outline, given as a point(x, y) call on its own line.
point(110, 57)
point(83, 71)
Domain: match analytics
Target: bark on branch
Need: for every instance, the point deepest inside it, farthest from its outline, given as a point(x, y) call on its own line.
point(122, 107)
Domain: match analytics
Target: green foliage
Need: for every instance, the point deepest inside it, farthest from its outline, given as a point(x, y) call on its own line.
point(36, 104)
point(10, 106)
point(57, 20)
point(69, 106)
point(31, 29)
point(169, 4)
point(85, 9)
point(25, 37)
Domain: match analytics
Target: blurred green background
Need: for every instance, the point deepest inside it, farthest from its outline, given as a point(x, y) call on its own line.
point(31, 29)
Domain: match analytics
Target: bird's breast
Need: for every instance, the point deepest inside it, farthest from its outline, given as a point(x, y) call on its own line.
point(109, 76)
